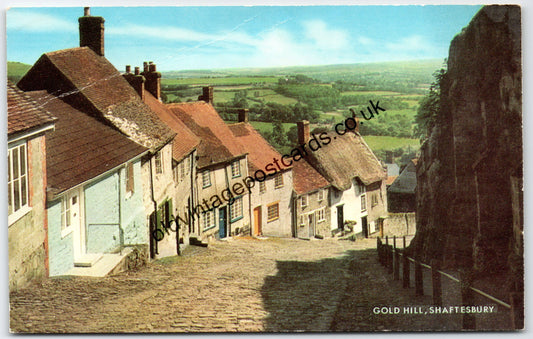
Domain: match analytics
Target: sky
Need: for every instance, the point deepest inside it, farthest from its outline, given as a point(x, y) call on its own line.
point(209, 37)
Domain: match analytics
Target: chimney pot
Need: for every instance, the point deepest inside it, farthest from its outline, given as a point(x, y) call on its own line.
point(243, 115)
point(137, 70)
point(145, 66)
point(303, 132)
point(87, 11)
point(152, 67)
point(128, 69)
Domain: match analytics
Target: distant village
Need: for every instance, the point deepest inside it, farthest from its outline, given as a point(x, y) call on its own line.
point(103, 176)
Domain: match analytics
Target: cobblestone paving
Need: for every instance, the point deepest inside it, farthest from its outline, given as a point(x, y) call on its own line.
point(239, 285)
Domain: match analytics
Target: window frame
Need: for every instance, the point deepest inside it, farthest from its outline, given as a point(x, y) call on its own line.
point(269, 219)
point(363, 202)
point(302, 205)
point(66, 229)
point(237, 202)
point(211, 214)
point(276, 178)
point(320, 196)
point(206, 174)
point(21, 181)
point(237, 164)
point(320, 212)
point(262, 187)
point(158, 158)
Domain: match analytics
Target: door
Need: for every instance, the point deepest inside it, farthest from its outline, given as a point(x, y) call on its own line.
point(340, 217)
point(364, 224)
point(78, 229)
point(222, 222)
point(257, 221)
point(311, 220)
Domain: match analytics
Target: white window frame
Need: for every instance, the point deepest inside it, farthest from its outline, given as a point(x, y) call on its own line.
point(158, 159)
point(302, 220)
point(268, 214)
point(303, 201)
point(363, 203)
point(320, 196)
point(66, 218)
point(262, 187)
point(206, 178)
point(21, 181)
point(208, 220)
point(236, 169)
point(321, 215)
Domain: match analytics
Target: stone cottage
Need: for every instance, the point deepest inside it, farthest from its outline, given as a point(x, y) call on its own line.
point(27, 126)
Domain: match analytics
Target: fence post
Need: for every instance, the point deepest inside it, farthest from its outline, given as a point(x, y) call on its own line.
point(397, 264)
point(405, 270)
point(404, 242)
point(390, 260)
point(419, 279)
point(467, 298)
point(380, 254)
point(517, 310)
point(436, 282)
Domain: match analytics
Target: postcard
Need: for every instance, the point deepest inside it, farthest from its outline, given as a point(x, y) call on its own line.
point(243, 169)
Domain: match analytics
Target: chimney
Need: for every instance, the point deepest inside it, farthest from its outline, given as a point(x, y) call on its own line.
point(153, 79)
point(207, 95)
point(137, 81)
point(388, 157)
point(303, 132)
point(243, 115)
point(92, 31)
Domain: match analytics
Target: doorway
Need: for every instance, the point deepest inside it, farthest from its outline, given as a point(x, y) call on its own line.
point(311, 220)
point(75, 210)
point(364, 224)
point(222, 222)
point(257, 221)
point(340, 217)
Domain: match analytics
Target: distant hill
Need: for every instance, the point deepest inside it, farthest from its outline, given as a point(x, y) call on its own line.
point(327, 73)
point(16, 70)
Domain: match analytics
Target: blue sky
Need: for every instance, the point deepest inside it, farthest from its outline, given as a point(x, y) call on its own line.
point(178, 38)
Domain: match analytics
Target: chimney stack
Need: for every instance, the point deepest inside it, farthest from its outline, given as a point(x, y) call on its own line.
point(92, 31)
point(207, 95)
point(153, 79)
point(243, 115)
point(303, 132)
point(137, 81)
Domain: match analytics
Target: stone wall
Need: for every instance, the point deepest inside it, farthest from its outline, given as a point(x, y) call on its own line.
point(400, 224)
point(464, 195)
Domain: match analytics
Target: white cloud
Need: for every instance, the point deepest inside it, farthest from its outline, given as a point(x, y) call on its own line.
point(37, 22)
point(324, 37)
point(413, 43)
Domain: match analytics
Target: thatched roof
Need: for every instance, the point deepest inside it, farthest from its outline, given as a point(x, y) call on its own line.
point(347, 157)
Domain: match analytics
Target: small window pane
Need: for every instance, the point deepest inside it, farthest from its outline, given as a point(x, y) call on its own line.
point(24, 191)
point(16, 187)
point(22, 159)
point(15, 164)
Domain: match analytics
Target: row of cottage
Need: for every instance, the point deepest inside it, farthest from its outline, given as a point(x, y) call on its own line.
point(98, 165)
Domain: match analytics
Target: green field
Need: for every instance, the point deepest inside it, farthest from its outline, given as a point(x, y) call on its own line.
point(390, 143)
point(16, 70)
point(219, 81)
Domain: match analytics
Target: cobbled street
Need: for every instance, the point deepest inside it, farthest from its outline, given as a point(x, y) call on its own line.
point(239, 285)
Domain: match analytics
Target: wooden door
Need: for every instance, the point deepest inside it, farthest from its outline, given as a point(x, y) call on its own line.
point(257, 221)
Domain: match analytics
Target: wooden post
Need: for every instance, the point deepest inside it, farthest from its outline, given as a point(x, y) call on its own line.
point(378, 247)
point(404, 242)
point(405, 270)
point(387, 240)
point(419, 279)
point(517, 310)
point(396, 264)
point(436, 282)
point(390, 259)
point(467, 298)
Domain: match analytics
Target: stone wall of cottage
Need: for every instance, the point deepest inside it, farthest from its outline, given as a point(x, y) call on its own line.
point(400, 224)
point(281, 227)
point(60, 248)
point(465, 200)
point(322, 228)
point(26, 236)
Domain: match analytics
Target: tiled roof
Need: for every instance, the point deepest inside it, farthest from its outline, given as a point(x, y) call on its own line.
point(305, 178)
point(81, 147)
point(347, 157)
point(218, 144)
point(406, 181)
point(23, 113)
point(91, 83)
point(185, 141)
point(260, 152)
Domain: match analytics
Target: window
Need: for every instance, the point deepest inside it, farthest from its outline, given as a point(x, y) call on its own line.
point(320, 196)
point(130, 183)
point(17, 181)
point(182, 170)
point(302, 220)
point(374, 199)
point(235, 211)
point(206, 179)
point(278, 181)
point(303, 201)
point(363, 203)
point(208, 220)
point(176, 172)
point(159, 162)
point(321, 215)
point(272, 212)
point(188, 165)
point(262, 187)
point(236, 169)
point(65, 215)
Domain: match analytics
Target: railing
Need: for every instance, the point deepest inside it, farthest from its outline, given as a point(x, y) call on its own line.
point(389, 256)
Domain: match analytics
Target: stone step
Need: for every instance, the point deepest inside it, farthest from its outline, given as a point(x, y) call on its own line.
point(88, 260)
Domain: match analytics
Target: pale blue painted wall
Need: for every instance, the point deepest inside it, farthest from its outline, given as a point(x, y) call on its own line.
point(60, 250)
point(133, 213)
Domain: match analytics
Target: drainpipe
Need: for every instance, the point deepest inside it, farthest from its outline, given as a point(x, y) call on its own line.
point(228, 217)
point(153, 248)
